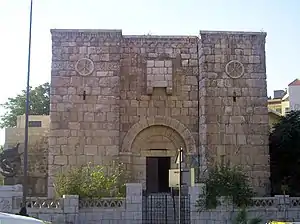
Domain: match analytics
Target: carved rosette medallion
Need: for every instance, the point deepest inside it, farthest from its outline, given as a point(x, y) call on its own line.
point(84, 66)
point(235, 69)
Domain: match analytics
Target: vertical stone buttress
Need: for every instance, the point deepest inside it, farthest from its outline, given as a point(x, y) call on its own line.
point(84, 99)
point(233, 124)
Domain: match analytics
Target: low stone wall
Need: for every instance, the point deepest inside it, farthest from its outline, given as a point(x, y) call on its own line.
point(267, 208)
point(71, 210)
point(131, 209)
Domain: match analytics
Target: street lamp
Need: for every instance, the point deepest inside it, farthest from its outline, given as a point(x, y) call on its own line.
point(179, 160)
point(25, 177)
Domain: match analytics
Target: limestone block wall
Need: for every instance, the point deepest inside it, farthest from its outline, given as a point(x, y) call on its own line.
point(233, 102)
point(159, 92)
point(114, 95)
point(176, 58)
point(85, 95)
point(159, 75)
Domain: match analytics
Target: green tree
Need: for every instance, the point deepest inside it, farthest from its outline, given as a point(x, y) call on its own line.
point(285, 154)
point(39, 105)
point(231, 183)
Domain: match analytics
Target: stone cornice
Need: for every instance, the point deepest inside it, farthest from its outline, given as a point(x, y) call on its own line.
point(161, 38)
point(86, 33)
point(245, 33)
point(117, 33)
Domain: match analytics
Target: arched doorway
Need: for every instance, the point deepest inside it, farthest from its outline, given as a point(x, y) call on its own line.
point(152, 146)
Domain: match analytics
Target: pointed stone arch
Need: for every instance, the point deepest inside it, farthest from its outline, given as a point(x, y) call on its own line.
point(169, 122)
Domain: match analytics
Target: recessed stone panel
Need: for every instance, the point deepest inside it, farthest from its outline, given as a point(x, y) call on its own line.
point(159, 75)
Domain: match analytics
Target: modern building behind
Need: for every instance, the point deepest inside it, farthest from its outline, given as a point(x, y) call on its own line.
point(274, 118)
point(294, 94)
point(38, 126)
point(280, 102)
point(286, 100)
point(37, 152)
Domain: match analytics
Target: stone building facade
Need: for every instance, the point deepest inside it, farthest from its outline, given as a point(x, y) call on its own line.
point(133, 98)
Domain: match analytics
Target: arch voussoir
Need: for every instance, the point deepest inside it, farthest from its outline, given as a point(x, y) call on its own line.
point(168, 122)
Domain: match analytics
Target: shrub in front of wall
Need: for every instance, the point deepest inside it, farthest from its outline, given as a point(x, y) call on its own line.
point(92, 181)
point(227, 182)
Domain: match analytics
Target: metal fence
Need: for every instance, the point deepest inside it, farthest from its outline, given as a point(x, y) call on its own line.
point(163, 208)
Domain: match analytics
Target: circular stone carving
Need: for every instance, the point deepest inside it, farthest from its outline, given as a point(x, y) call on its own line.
point(84, 66)
point(234, 69)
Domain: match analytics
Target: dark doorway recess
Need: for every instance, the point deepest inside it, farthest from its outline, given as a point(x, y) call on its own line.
point(157, 174)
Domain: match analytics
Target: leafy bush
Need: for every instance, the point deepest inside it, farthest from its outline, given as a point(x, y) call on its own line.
point(92, 182)
point(231, 183)
point(242, 218)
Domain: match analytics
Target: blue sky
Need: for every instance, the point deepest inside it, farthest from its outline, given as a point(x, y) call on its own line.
point(280, 19)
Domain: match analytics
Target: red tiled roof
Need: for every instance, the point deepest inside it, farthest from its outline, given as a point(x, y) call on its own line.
point(296, 82)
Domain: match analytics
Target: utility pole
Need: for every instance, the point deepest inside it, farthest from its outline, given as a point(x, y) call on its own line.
point(25, 177)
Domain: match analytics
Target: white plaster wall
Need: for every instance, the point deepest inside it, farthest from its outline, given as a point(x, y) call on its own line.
point(294, 97)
